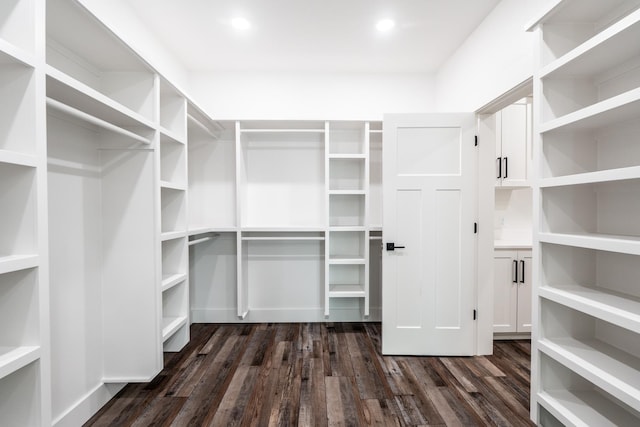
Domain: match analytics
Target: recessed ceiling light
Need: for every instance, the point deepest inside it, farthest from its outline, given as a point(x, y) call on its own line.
point(240, 24)
point(384, 25)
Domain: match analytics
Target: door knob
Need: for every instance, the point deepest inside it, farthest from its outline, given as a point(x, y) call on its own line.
point(392, 246)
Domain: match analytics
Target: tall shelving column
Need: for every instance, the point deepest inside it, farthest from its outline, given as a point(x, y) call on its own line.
point(347, 245)
point(173, 213)
point(586, 337)
point(24, 355)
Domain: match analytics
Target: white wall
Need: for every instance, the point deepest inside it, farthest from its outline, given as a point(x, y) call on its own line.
point(118, 16)
point(282, 95)
point(495, 58)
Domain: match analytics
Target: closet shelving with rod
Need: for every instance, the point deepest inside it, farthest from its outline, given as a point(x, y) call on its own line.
point(102, 141)
point(586, 304)
point(212, 217)
point(280, 181)
point(24, 355)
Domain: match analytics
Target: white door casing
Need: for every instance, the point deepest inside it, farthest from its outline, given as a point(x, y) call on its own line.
point(430, 205)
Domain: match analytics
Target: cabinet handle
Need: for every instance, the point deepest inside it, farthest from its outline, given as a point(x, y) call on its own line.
point(522, 265)
point(506, 167)
point(499, 159)
point(515, 271)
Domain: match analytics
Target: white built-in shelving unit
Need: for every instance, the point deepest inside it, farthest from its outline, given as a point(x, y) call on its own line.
point(128, 213)
point(279, 209)
point(174, 285)
point(586, 358)
point(347, 248)
point(24, 351)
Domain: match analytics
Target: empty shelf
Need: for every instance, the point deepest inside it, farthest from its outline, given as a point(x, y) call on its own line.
point(608, 175)
point(605, 242)
point(611, 369)
point(346, 291)
point(15, 158)
point(14, 358)
point(170, 326)
point(171, 280)
point(619, 310)
point(585, 408)
point(12, 263)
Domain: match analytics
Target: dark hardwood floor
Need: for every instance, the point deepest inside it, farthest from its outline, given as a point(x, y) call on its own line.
point(318, 375)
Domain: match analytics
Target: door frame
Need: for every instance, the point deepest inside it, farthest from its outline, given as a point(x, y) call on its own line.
point(486, 205)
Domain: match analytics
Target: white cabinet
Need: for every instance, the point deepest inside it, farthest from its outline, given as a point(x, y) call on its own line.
point(513, 144)
point(586, 357)
point(512, 291)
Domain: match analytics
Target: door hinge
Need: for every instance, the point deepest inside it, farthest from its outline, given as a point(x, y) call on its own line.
point(475, 314)
point(475, 228)
point(476, 141)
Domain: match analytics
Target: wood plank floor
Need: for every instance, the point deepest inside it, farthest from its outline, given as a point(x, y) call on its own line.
point(322, 375)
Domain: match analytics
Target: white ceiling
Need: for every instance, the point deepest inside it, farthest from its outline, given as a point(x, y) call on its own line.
point(313, 35)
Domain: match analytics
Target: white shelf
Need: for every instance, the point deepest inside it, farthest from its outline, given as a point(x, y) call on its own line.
point(355, 156)
point(16, 158)
point(346, 291)
point(570, 11)
point(610, 47)
point(173, 186)
point(319, 131)
point(78, 114)
point(347, 228)
point(338, 260)
point(11, 263)
point(69, 91)
point(170, 326)
point(10, 53)
point(172, 235)
point(605, 242)
point(614, 371)
point(202, 229)
point(14, 358)
point(616, 109)
point(282, 237)
point(174, 136)
point(171, 280)
point(585, 408)
point(346, 192)
point(281, 229)
point(609, 175)
point(617, 309)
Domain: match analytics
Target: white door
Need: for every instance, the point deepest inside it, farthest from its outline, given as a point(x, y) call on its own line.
point(514, 145)
point(429, 193)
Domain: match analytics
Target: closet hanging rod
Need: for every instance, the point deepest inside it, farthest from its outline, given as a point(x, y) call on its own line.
point(204, 127)
point(57, 105)
point(203, 239)
point(127, 149)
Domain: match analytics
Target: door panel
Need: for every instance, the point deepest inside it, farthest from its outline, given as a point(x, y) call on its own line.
point(429, 168)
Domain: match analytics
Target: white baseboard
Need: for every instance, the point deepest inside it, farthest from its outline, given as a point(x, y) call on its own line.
point(284, 315)
point(87, 406)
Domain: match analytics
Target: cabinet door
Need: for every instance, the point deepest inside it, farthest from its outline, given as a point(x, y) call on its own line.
point(514, 143)
point(524, 291)
point(505, 292)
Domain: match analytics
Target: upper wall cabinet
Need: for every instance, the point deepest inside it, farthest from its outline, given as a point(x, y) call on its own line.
point(95, 69)
point(513, 144)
